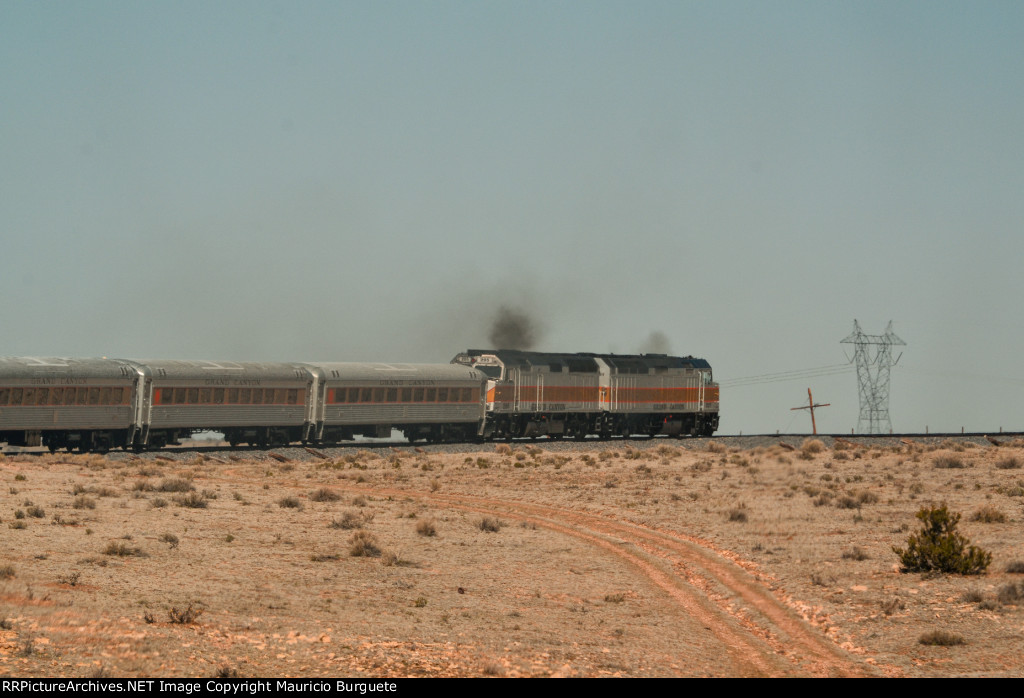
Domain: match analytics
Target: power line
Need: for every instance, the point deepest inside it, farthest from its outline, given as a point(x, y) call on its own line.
point(781, 376)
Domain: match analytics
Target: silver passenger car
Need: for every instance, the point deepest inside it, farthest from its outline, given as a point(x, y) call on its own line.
point(423, 401)
point(67, 403)
point(255, 403)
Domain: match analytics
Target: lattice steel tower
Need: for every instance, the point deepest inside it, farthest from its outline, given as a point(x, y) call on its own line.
point(873, 376)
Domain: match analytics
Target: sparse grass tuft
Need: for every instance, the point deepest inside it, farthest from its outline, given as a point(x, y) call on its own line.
point(489, 524)
point(426, 527)
point(1015, 567)
point(6, 572)
point(170, 539)
point(1010, 463)
point(324, 495)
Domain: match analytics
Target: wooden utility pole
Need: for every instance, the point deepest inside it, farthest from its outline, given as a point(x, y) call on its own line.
point(810, 406)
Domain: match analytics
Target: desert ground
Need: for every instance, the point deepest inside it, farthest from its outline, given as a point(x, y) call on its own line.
point(724, 557)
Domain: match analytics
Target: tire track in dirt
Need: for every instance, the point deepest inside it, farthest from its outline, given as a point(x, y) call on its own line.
point(762, 635)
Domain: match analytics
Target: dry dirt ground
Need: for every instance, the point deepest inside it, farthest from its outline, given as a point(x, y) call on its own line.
point(657, 558)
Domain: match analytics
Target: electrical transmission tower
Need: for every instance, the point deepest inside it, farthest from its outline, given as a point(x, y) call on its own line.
point(873, 376)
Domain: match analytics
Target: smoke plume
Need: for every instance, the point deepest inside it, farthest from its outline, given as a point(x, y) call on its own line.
point(513, 329)
point(656, 343)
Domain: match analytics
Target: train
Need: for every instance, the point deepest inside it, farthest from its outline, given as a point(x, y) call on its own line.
point(95, 405)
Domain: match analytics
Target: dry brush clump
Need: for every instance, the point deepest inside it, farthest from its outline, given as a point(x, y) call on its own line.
point(941, 638)
point(350, 520)
point(489, 524)
point(1011, 594)
point(988, 514)
point(324, 495)
point(1010, 463)
point(121, 549)
point(184, 616)
point(362, 543)
point(938, 547)
point(175, 485)
point(856, 553)
point(192, 500)
point(289, 503)
point(810, 448)
point(949, 462)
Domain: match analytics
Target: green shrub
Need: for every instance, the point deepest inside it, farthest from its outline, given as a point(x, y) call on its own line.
point(938, 547)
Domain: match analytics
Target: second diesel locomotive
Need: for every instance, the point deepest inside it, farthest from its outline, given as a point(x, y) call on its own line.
point(576, 395)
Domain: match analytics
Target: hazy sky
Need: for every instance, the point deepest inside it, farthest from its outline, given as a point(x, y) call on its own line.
point(371, 181)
